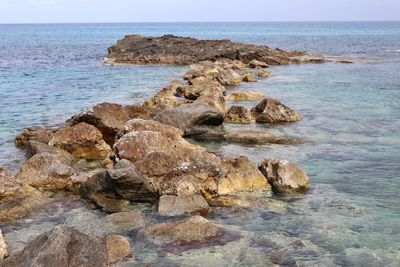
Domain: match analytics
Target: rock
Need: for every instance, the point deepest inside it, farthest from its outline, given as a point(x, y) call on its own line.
point(271, 110)
point(9, 187)
point(177, 205)
point(256, 63)
point(107, 117)
point(249, 202)
point(166, 98)
point(3, 248)
point(110, 204)
point(40, 134)
point(169, 49)
point(249, 77)
point(240, 175)
point(127, 220)
point(240, 115)
point(195, 228)
point(150, 125)
point(245, 96)
point(47, 170)
point(194, 91)
point(118, 249)
point(142, 112)
point(263, 73)
point(258, 138)
point(284, 176)
point(61, 246)
point(81, 140)
point(223, 74)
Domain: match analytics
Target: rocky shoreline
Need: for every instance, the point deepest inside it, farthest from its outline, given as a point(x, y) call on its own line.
point(112, 155)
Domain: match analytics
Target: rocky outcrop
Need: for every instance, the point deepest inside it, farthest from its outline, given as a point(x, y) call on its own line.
point(177, 205)
point(284, 176)
point(40, 134)
point(245, 96)
point(258, 138)
point(169, 49)
point(3, 248)
point(271, 110)
point(239, 115)
point(166, 98)
point(118, 249)
point(81, 140)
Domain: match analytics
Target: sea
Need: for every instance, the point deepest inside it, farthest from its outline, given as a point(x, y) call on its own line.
point(350, 132)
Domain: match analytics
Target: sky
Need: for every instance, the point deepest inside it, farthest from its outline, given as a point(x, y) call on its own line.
point(65, 11)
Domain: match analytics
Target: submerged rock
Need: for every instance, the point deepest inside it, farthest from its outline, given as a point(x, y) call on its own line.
point(258, 138)
point(263, 73)
point(239, 115)
point(127, 220)
point(81, 140)
point(177, 205)
point(284, 176)
point(118, 249)
point(3, 248)
point(246, 96)
point(271, 110)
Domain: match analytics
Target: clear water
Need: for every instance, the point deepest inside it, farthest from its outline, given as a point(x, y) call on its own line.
point(351, 129)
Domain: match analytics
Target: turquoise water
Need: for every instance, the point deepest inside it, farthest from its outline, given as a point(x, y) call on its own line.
point(351, 127)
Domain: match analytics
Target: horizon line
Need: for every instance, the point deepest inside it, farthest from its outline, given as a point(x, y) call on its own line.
point(166, 22)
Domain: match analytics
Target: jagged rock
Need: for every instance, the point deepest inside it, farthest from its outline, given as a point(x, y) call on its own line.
point(107, 117)
point(9, 187)
point(284, 176)
point(245, 96)
point(140, 125)
point(240, 115)
point(262, 73)
point(118, 249)
point(256, 63)
point(40, 134)
point(61, 246)
point(169, 49)
point(271, 110)
point(81, 140)
point(177, 205)
point(127, 220)
point(240, 175)
point(249, 77)
point(166, 98)
point(196, 90)
point(258, 138)
point(3, 248)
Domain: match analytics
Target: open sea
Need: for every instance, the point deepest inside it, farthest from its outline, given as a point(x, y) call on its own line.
point(350, 128)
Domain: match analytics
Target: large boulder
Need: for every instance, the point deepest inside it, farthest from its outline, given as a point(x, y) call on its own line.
point(239, 115)
point(3, 248)
point(61, 246)
point(177, 205)
point(240, 174)
point(81, 140)
point(284, 176)
point(109, 118)
point(271, 110)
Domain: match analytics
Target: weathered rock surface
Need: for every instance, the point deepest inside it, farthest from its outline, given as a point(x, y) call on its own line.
point(169, 49)
point(249, 78)
point(239, 115)
point(118, 249)
point(271, 110)
point(9, 187)
point(127, 220)
point(40, 134)
point(240, 175)
point(61, 246)
point(166, 98)
point(256, 63)
point(284, 176)
point(222, 73)
point(81, 140)
point(3, 248)
point(177, 205)
point(245, 96)
point(258, 138)
point(139, 125)
point(262, 73)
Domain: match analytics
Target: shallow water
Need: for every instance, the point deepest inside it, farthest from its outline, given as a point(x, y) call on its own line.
point(351, 131)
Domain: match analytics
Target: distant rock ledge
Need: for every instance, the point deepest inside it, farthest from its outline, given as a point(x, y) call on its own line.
point(170, 49)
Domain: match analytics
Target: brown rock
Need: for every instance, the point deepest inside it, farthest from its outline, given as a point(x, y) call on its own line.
point(166, 97)
point(284, 176)
point(240, 115)
point(3, 248)
point(245, 96)
point(127, 220)
point(177, 205)
point(40, 134)
point(271, 110)
point(139, 125)
point(9, 187)
point(81, 140)
point(249, 77)
point(263, 73)
point(256, 63)
point(258, 138)
point(118, 248)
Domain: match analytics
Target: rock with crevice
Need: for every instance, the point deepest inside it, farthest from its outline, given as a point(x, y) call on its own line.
point(271, 110)
point(239, 115)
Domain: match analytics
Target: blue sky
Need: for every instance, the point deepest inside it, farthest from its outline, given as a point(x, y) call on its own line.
point(44, 11)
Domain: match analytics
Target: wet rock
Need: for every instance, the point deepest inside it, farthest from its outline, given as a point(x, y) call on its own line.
point(240, 175)
point(81, 140)
point(258, 138)
point(239, 115)
point(229, 77)
point(194, 91)
point(177, 205)
point(263, 73)
point(249, 77)
point(195, 228)
point(3, 248)
point(140, 125)
point(9, 187)
point(220, 72)
point(245, 96)
point(284, 176)
point(169, 49)
point(61, 246)
point(107, 117)
point(271, 110)
point(110, 204)
point(256, 63)
point(118, 249)
point(40, 134)
point(127, 220)
point(166, 98)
